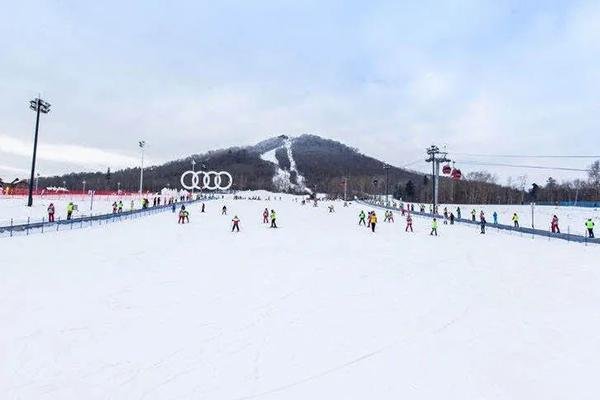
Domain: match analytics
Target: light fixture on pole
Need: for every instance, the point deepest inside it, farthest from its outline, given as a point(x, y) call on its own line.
point(142, 144)
point(40, 107)
point(386, 167)
point(83, 190)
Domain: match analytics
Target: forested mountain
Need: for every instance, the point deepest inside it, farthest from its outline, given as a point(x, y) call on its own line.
point(308, 163)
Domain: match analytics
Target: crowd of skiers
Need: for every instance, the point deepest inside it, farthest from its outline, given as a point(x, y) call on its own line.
point(268, 217)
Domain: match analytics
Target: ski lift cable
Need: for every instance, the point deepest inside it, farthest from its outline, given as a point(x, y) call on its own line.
point(523, 166)
point(524, 155)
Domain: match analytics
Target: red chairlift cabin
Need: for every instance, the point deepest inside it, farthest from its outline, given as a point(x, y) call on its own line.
point(456, 174)
point(446, 169)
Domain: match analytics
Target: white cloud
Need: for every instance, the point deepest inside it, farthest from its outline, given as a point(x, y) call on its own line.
point(77, 155)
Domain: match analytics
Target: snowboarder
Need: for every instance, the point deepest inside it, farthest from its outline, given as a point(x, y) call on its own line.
point(361, 218)
point(224, 210)
point(373, 221)
point(515, 220)
point(434, 226)
point(554, 224)
point(266, 216)
point(51, 213)
point(482, 223)
point(408, 223)
point(236, 224)
point(273, 219)
point(589, 224)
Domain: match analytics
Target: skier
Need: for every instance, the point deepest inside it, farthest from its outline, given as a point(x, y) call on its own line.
point(445, 213)
point(369, 219)
point(51, 213)
point(390, 217)
point(373, 221)
point(173, 208)
point(495, 216)
point(224, 210)
point(181, 215)
point(515, 220)
point(458, 212)
point(482, 222)
point(266, 216)
point(589, 224)
point(131, 205)
point(408, 223)
point(361, 218)
point(473, 213)
point(554, 224)
point(114, 207)
point(70, 208)
point(451, 218)
point(331, 208)
point(434, 226)
point(203, 205)
point(120, 210)
point(273, 219)
point(236, 224)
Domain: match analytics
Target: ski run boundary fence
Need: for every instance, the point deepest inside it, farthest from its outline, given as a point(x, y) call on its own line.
point(523, 230)
point(43, 225)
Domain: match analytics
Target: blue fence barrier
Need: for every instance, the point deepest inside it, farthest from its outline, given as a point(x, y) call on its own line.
point(29, 227)
point(538, 232)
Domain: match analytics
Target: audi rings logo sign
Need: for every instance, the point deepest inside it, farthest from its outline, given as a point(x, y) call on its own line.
point(209, 180)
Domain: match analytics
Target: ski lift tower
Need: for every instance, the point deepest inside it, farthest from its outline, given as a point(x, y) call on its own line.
point(436, 157)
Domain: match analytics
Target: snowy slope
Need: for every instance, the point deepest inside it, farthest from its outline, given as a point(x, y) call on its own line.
point(319, 309)
point(282, 178)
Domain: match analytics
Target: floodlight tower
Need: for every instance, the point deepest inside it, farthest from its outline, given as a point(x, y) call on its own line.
point(142, 144)
point(40, 107)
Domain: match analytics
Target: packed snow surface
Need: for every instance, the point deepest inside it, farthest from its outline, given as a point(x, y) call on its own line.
point(319, 308)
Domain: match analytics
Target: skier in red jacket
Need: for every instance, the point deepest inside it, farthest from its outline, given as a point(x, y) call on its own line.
point(554, 225)
point(236, 224)
point(408, 223)
point(266, 216)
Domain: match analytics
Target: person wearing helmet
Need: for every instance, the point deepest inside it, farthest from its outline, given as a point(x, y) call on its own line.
point(236, 224)
point(409, 222)
point(589, 224)
point(70, 208)
point(51, 212)
point(515, 220)
point(273, 219)
point(373, 221)
point(554, 224)
point(434, 226)
point(361, 218)
point(266, 216)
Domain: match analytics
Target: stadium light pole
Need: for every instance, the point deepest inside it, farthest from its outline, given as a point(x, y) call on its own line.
point(142, 144)
point(40, 107)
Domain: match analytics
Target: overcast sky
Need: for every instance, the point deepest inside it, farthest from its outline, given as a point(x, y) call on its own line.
point(388, 77)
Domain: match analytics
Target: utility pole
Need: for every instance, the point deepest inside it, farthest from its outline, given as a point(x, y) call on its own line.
point(40, 107)
point(142, 143)
point(435, 158)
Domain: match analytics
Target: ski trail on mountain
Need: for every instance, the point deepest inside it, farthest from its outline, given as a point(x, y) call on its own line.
point(282, 179)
